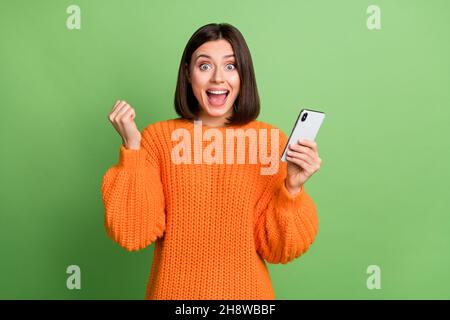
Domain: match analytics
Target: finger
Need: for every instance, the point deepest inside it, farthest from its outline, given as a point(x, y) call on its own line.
point(122, 111)
point(306, 150)
point(112, 113)
point(301, 163)
point(128, 114)
point(133, 114)
point(313, 164)
point(295, 148)
point(119, 106)
point(302, 156)
point(116, 105)
point(308, 169)
point(302, 149)
point(309, 143)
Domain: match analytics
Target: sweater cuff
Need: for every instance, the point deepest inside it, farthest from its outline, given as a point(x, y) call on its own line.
point(131, 159)
point(288, 201)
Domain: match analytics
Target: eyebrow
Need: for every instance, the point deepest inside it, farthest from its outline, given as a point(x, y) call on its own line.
point(206, 56)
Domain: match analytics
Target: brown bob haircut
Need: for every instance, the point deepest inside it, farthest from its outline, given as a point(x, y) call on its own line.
point(247, 104)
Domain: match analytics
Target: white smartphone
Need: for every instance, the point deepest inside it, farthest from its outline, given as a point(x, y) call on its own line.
point(306, 127)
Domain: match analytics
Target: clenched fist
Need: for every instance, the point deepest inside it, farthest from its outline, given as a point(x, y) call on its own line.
point(122, 118)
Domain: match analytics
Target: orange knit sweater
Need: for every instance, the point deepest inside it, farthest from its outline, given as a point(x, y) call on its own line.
point(214, 225)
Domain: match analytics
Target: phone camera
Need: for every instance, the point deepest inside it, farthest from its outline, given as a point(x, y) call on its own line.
point(304, 116)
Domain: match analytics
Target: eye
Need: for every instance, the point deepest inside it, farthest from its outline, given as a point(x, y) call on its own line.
point(231, 64)
point(201, 66)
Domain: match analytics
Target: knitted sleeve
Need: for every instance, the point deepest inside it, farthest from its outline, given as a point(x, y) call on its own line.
point(285, 224)
point(133, 196)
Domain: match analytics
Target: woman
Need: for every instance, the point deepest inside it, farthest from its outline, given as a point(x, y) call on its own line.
point(214, 222)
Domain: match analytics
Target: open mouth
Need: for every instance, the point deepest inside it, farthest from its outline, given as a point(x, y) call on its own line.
point(217, 97)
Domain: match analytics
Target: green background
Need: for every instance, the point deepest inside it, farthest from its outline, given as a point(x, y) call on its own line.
point(383, 189)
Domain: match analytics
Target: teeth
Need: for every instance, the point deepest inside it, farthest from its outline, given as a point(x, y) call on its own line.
point(217, 92)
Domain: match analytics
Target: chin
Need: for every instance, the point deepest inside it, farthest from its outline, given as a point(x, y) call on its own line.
point(221, 111)
point(217, 113)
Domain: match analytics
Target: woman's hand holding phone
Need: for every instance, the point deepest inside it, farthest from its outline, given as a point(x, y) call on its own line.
point(301, 152)
point(303, 161)
point(122, 118)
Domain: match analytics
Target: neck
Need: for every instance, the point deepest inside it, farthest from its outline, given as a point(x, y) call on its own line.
point(213, 122)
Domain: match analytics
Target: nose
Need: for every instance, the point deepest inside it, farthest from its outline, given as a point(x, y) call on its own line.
point(217, 75)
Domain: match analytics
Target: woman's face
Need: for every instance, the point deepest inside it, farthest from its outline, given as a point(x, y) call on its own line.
point(214, 79)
